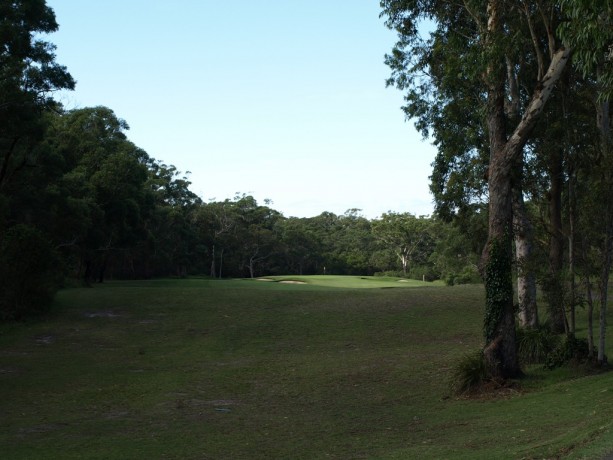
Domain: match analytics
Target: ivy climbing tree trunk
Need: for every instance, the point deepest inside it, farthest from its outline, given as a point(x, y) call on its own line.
point(505, 152)
point(499, 324)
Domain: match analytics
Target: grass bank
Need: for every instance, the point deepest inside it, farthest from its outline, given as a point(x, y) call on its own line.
point(337, 367)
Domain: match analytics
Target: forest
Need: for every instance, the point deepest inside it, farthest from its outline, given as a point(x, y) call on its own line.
point(515, 95)
point(99, 208)
point(81, 204)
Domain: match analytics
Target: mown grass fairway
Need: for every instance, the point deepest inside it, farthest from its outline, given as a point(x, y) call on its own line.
point(336, 368)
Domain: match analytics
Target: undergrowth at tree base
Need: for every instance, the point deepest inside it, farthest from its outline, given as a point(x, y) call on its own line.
point(574, 352)
point(470, 377)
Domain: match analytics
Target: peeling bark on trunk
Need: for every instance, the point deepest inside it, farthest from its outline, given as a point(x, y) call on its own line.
point(405, 262)
point(526, 280)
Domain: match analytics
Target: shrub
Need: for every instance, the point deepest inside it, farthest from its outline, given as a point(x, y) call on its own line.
point(535, 345)
point(28, 279)
point(570, 351)
point(470, 373)
point(423, 272)
point(391, 273)
point(467, 275)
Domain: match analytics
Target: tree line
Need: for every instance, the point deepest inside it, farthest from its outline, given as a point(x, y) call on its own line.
point(80, 201)
point(89, 205)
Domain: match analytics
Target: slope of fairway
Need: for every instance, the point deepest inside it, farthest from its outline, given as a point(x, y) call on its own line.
point(247, 369)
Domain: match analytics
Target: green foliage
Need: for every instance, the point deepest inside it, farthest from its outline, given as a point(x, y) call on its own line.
point(554, 289)
point(423, 272)
point(28, 75)
point(392, 273)
point(457, 251)
point(535, 346)
point(409, 237)
point(468, 275)
point(588, 30)
point(28, 273)
point(469, 373)
point(570, 351)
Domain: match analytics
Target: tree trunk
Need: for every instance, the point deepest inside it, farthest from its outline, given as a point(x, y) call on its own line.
point(589, 298)
point(213, 272)
point(87, 273)
point(499, 325)
point(103, 266)
point(604, 284)
point(251, 268)
point(6, 161)
point(526, 280)
point(505, 152)
point(556, 246)
point(571, 254)
point(590, 318)
point(604, 127)
point(500, 347)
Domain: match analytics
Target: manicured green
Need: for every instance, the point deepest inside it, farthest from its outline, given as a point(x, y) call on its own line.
point(246, 369)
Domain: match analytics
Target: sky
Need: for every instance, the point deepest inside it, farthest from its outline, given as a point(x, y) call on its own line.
point(282, 100)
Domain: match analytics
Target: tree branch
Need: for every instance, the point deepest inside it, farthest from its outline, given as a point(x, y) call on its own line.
point(537, 49)
point(6, 161)
point(540, 96)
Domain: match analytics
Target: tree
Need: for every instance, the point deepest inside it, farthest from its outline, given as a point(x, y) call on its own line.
point(483, 39)
point(104, 178)
point(257, 242)
point(172, 245)
point(28, 77)
point(300, 245)
point(454, 257)
point(589, 32)
point(406, 235)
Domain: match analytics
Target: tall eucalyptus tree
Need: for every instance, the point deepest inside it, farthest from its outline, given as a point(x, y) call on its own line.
point(589, 31)
point(478, 51)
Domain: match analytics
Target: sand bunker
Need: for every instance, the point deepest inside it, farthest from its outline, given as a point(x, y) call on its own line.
point(292, 282)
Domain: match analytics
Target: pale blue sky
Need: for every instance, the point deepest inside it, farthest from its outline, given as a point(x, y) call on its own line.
point(281, 99)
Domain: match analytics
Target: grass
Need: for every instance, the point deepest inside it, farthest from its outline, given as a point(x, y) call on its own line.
point(339, 367)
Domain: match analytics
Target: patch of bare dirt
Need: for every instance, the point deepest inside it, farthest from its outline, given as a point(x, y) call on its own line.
point(101, 314)
point(45, 339)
